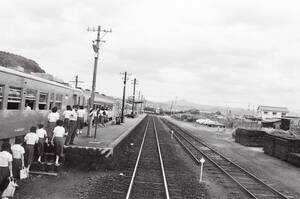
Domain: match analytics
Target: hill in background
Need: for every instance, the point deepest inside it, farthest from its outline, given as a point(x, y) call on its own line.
point(10, 60)
point(186, 105)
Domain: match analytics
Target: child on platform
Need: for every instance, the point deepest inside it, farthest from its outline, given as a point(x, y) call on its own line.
point(31, 139)
point(18, 157)
point(58, 140)
point(42, 135)
point(5, 165)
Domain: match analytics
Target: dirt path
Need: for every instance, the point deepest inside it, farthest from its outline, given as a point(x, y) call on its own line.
point(279, 174)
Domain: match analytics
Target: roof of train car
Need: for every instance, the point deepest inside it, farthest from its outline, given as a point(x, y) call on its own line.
point(29, 76)
point(98, 97)
point(104, 99)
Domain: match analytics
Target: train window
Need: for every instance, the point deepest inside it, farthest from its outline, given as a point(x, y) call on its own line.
point(30, 99)
point(43, 101)
point(14, 98)
point(51, 101)
point(1, 96)
point(58, 101)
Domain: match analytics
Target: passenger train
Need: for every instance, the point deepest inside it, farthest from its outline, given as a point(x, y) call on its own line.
point(18, 89)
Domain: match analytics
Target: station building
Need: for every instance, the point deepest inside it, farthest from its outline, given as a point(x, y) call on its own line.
point(272, 112)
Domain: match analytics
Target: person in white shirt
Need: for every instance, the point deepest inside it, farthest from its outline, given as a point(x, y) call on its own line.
point(27, 107)
point(58, 140)
point(5, 165)
point(42, 135)
point(31, 139)
point(18, 157)
point(66, 114)
point(52, 118)
point(80, 120)
point(73, 126)
point(92, 115)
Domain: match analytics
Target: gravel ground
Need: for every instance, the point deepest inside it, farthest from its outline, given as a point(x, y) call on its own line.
point(277, 173)
point(183, 182)
point(218, 185)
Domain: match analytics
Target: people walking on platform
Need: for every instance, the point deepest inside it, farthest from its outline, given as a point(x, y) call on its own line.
point(66, 114)
point(58, 140)
point(30, 139)
point(52, 118)
point(5, 165)
point(42, 135)
point(92, 115)
point(18, 152)
point(81, 114)
point(72, 126)
point(103, 117)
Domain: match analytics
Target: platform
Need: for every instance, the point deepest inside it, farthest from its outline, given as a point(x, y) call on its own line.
point(93, 154)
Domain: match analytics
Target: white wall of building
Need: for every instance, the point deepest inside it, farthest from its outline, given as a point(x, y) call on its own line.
point(269, 114)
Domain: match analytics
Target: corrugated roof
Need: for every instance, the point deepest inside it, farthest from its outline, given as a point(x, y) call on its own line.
point(273, 108)
point(104, 99)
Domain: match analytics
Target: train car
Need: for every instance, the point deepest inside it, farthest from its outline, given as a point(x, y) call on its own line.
point(26, 100)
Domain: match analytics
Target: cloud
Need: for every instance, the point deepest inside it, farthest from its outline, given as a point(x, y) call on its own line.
point(212, 52)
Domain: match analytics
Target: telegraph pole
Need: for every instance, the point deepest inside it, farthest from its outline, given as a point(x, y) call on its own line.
point(123, 100)
point(96, 46)
point(133, 99)
point(76, 81)
point(171, 108)
point(139, 99)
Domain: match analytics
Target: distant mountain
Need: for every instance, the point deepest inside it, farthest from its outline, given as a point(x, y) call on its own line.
point(186, 105)
point(11, 60)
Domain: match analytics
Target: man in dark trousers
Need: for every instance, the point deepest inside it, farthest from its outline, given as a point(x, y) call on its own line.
point(73, 126)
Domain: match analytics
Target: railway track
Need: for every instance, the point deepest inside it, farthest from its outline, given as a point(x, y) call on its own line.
point(248, 183)
point(148, 179)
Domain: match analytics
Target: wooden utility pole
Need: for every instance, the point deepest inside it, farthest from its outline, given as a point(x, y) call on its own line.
point(139, 100)
point(123, 100)
point(76, 81)
point(96, 46)
point(133, 98)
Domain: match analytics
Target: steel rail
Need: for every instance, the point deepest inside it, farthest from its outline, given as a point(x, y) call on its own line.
point(136, 164)
point(161, 162)
point(239, 167)
point(214, 163)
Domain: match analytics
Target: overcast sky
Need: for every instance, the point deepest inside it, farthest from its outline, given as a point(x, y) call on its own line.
point(214, 52)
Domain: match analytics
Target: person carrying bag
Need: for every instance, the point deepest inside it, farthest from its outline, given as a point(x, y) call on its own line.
point(18, 152)
point(23, 173)
point(10, 189)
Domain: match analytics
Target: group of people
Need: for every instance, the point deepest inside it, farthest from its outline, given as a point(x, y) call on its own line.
point(21, 154)
point(99, 116)
point(73, 122)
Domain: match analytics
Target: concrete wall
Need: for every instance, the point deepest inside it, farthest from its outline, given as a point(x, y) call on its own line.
point(93, 158)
